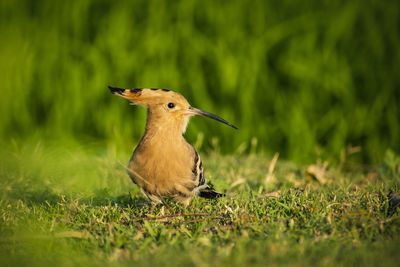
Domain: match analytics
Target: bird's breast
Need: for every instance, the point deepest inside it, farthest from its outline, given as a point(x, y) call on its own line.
point(162, 166)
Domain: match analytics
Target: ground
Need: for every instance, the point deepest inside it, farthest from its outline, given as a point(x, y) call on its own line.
point(78, 207)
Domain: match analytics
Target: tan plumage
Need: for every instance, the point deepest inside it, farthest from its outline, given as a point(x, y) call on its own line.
point(163, 164)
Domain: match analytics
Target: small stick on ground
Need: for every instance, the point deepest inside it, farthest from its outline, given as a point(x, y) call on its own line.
point(173, 216)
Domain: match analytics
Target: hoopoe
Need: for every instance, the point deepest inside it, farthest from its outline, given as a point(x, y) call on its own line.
point(164, 164)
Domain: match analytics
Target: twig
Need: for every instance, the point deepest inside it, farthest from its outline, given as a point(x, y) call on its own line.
point(173, 216)
point(270, 175)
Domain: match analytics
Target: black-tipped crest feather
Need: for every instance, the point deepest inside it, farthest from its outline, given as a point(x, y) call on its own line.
point(116, 90)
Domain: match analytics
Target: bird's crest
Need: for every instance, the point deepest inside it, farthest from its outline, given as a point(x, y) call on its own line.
point(149, 96)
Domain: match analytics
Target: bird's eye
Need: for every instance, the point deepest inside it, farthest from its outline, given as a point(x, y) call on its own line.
point(171, 105)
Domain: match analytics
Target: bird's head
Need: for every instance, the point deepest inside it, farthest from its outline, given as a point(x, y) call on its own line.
point(165, 106)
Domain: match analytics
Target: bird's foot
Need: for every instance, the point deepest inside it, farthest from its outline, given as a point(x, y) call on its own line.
point(153, 206)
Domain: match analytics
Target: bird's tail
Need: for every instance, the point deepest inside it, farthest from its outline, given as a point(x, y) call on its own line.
point(209, 192)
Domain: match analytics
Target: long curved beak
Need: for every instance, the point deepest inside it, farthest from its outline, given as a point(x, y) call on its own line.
point(195, 111)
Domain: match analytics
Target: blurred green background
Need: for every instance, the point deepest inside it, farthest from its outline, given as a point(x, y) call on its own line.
point(307, 79)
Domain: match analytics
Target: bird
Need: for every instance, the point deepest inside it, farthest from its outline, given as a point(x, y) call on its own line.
point(164, 165)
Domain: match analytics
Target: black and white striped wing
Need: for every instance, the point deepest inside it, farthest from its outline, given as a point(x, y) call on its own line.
point(198, 175)
point(198, 171)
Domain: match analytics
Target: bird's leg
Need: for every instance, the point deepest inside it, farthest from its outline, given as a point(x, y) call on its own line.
point(185, 204)
point(153, 206)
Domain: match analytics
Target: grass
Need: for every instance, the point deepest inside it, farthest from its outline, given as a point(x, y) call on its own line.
point(77, 206)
